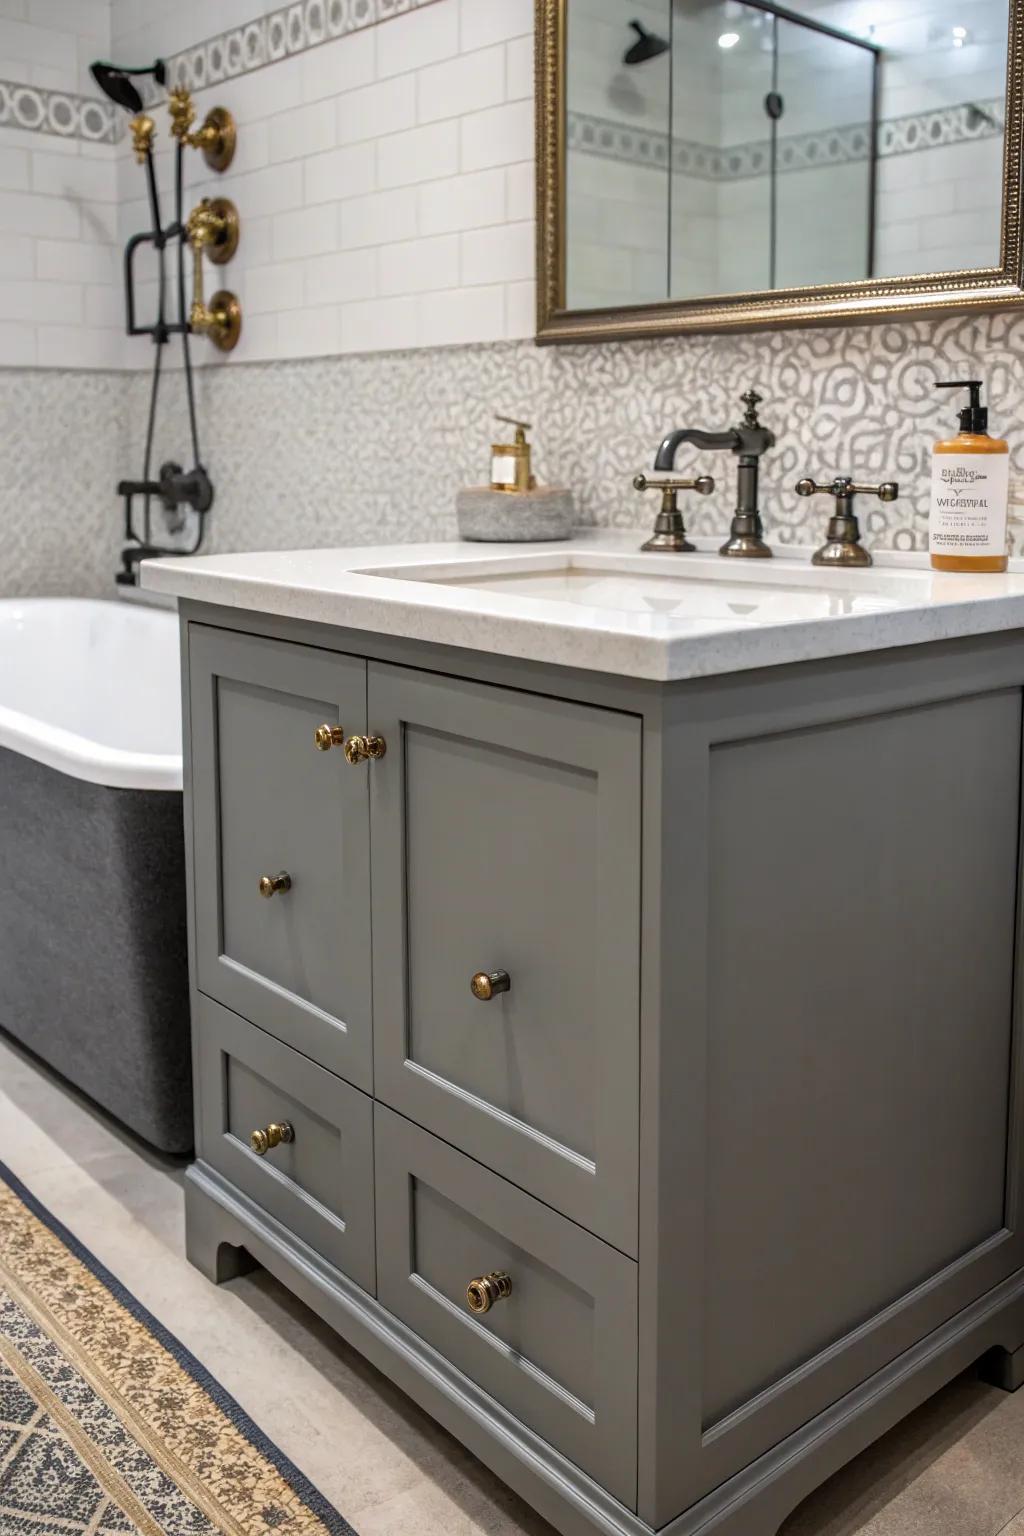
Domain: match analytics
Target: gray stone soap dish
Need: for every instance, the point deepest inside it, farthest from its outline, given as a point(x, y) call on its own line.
point(514, 517)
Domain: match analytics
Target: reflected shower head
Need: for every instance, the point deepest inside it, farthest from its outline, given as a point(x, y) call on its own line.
point(648, 45)
point(115, 82)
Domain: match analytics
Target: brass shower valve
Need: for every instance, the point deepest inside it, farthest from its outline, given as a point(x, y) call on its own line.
point(217, 136)
point(213, 227)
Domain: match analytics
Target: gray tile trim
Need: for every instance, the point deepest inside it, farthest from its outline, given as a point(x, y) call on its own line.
point(797, 152)
point(61, 113)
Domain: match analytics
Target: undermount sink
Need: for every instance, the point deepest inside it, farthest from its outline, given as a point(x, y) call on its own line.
point(700, 590)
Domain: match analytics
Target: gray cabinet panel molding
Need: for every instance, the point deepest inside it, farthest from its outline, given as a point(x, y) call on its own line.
point(266, 802)
point(320, 1184)
point(506, 839)
point(560, 1350)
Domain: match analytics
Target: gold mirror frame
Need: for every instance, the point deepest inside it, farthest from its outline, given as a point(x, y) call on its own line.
point(866, 300)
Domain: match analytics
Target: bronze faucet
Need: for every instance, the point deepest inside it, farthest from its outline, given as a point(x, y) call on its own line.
point(748, 441)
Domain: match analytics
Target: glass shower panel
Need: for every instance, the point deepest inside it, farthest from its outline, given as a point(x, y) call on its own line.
point(722, 70)
point(824, 161)
point(617, 152)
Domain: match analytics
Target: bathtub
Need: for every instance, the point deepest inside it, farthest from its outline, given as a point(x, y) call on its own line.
point(93, 957)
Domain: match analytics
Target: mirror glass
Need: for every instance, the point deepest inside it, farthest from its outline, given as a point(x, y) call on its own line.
point(721, 147)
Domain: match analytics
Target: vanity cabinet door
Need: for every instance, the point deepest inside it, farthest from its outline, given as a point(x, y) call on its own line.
point(506, 833)
point(556, 1346)
point(266, 802)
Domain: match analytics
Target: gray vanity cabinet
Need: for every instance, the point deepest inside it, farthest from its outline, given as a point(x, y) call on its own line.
point(506, 838)
point(728, 1130)
point(266, 803)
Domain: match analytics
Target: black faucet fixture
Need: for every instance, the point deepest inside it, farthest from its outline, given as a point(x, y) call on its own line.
point(748, 441)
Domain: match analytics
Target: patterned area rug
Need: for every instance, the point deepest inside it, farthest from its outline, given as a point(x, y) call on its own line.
point(107, 1424)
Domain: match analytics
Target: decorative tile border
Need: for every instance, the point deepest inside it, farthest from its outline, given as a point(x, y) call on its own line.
point(278, 35)
point(59, 112)
point(797, 152)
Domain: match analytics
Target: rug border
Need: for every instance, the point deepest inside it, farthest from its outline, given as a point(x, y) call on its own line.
point(297, 1481)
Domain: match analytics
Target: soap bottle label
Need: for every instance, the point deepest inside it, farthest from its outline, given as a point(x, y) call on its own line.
point(968, 508)
point(503, 469)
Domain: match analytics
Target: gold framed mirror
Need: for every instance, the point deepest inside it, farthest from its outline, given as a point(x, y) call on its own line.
point(718, 165)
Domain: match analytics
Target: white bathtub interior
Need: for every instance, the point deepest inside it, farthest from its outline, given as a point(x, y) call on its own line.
point(92, 689)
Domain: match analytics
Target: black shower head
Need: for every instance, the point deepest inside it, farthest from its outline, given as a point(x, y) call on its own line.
point(647, 46)
point(114, 81)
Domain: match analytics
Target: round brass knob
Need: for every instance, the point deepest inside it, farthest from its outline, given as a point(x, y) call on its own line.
point(275, 1133)
point(486, 984)
point(485, 1290)
point(327, 736)
point(358, 749)
point(271, 884)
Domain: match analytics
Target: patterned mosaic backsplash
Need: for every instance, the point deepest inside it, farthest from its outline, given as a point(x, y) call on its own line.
point(367, 449)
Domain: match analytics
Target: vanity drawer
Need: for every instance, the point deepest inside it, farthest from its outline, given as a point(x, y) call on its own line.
point(560, 1351)
point(506, 838)
point(267, 802)
point(319, 1184)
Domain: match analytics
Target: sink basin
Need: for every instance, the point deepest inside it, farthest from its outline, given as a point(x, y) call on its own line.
point(698, 591)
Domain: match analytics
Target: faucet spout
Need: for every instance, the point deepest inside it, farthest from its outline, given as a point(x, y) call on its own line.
point(666, 458)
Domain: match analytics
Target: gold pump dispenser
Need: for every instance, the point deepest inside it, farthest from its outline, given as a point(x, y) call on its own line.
point(510, 462)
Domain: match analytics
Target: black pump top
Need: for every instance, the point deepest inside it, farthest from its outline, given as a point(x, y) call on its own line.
point(973, 417)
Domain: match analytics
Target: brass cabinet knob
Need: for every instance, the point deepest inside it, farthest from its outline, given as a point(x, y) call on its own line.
point(275, 1133)
point(327, 736)
point(358, 749)
point(486, 984)
point(485, 1290)
point(271, 884)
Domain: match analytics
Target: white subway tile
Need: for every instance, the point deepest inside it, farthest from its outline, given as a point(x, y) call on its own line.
point(258, 339)
point(347, 172)
point(494, 21)
point(462, 315)
point(521, 191)
point(340, 277)
point(17, 344)
point(104, 307)
point(499, 136)
point(504, 254)
point(387, 107)
point(14, 170)
point(273, 288)
point(519, 68)
point(17, 256)
point(274, 189)
point(461, 202)
point(22, 213)
point(417, 266)
point(342, 65)
point(85, 181)
point(44, 303)
point(418, 38)
point(378, 325)
point(464, 84)
point(418, 154)
point(378, 218)
point(305, 232)
point(314, 332)
point(520, 310)
point(302, 131)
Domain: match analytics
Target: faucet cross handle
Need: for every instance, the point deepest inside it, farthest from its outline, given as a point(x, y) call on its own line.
point(669, 529)
point(842, 545)
point(751, 400)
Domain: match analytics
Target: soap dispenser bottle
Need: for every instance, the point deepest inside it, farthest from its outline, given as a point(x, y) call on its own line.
point(970, 491)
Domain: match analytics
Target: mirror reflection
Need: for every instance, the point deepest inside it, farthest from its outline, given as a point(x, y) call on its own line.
point(733, 146)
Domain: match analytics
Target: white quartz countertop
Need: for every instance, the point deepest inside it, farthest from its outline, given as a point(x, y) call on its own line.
point(598, 603)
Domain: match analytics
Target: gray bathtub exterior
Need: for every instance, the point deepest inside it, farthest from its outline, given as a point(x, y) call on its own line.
point(93, 957)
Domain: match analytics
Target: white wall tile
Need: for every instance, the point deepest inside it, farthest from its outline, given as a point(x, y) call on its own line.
point(461, 202)
point(502, 254)
point(461, 315)
point(305, 232)
point(369, 113)
point(302, 131)
point(499, 136)
point(519, 68)
point(417, 266)
point(341, 277)
point(465, 84)
point(379, 325)
point(418, 38)
point(494, 21)
point(378, 218)
point(419, 154)
point(350, 171)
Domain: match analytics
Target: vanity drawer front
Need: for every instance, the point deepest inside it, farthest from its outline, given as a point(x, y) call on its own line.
point(320, 1183)
point(266, 802)
point(506, 835)
point(560, 1351)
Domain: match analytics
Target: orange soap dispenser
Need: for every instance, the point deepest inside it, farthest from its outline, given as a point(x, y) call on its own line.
point(970, 492)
